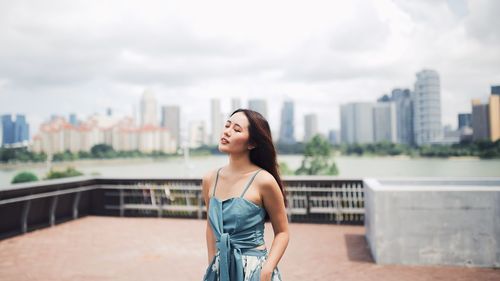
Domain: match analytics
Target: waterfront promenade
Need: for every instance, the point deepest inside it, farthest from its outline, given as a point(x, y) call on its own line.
point(112, 248)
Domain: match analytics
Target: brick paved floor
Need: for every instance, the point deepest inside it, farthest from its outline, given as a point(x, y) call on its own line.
point(108, 248)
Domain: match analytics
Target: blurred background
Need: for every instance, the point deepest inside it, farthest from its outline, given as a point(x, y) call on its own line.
point(81, 82)
point(113, 109)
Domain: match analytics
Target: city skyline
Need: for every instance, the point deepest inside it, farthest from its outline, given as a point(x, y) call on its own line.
point(87, 58)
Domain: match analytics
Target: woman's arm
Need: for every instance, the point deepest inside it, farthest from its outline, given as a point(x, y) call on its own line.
point(206, 183)
point(275, 206)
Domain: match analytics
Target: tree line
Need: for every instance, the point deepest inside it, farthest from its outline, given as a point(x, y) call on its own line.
point(483, 149)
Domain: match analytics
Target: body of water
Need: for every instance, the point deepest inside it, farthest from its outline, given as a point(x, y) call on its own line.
point(349, 167)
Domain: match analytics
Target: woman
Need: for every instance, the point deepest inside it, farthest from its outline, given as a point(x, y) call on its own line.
point(240, 197)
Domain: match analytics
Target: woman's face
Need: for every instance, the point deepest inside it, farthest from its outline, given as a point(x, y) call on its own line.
point(235, 135)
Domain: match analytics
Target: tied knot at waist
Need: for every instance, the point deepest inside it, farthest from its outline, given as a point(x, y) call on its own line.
point(230, 260)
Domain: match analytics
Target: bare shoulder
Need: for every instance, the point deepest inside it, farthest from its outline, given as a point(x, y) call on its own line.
point(266, 182)
point(206, 183)
point(208, 179)
point(270, 191)
point(209, 175)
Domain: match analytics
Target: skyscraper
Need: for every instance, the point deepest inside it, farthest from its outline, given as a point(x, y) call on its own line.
point(356, 123)
point(427, 108)
point(1, 133)
point(495, 90)
point(287, 135)
point(310, 126)
point(148, 109)
point(216, 118)
point(8, 129)
point(21, 130)
point(384, 122)
point(494, 116)
point(333, 137)
point(464, 120)
point(196, 134)
point(480, 120)
point(170, 119)
point(404, 115)
point(15, 132)
point(73, 119)
point(258, 105)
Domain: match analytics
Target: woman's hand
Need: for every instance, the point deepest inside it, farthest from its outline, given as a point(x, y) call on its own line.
point(266, 274)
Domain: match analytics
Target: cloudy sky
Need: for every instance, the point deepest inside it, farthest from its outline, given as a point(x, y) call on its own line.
point(58, 57)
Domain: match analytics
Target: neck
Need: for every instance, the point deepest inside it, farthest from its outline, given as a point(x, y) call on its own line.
point(240, 162)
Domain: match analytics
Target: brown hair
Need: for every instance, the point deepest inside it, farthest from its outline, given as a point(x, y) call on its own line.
point(264, 153)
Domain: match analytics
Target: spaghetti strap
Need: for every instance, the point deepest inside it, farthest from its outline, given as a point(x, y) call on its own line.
point(216, 179)
point(250, 182)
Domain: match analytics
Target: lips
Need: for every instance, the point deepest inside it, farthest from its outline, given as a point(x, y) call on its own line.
point(224, 141)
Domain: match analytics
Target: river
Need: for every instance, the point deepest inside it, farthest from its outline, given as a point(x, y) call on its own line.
point(349, 167)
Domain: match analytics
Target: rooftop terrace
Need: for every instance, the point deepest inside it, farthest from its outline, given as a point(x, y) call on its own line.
point(114, 248)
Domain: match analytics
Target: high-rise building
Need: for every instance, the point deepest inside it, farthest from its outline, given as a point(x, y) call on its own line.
point(259, 105)
point(235, 104)
point(197, 134)
point(427, 108)
point(73, 120)
point(464, 120)
point(494, 116)
point(148, 109)
point(171, 120)
point(356, 123)
point(287, 135)
point(480, 120)
point(384, 122)
point(216, 118)
point(1, 133)
point(21, 130)
point(404, 115)
point(384, 98)
point(7, 129)
point(109, 111)
point(310, 126)
point(122, 134)
point(14, 132)
point(495, 90)
point(333, 137)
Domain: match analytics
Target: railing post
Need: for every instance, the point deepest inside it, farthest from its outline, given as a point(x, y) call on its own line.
point(76, 202)
point(52, 211)
point(308, 206)
point(122, 203)
point(289, 207)
point(200, 204)
point(24, 216)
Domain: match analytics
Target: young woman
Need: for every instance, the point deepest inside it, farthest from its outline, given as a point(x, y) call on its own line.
point(240, 197)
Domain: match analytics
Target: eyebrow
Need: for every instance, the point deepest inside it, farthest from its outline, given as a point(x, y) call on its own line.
point(234, 123)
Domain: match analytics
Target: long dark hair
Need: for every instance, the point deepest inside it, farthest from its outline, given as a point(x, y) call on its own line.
point(264, 153)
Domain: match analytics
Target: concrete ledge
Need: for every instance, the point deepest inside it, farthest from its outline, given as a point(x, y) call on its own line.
point(433, 222)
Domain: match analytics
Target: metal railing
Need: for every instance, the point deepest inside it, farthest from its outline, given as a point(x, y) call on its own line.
point(26, 207)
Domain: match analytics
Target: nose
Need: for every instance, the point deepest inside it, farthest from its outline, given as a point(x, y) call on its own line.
point(226, 131)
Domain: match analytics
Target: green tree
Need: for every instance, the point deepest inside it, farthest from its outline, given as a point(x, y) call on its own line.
point(69, 172)
point(24, 177)
point(317, 158)
point(284, 169)
point(102, 151)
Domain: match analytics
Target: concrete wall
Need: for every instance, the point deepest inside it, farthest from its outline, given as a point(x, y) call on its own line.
point(433, 222)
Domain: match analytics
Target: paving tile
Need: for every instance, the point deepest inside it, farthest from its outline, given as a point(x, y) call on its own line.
point(110, 248)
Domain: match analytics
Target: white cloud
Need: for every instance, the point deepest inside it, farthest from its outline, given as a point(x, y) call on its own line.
point(81, 56)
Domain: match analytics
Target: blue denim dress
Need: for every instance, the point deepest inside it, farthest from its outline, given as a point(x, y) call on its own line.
point(238, 225)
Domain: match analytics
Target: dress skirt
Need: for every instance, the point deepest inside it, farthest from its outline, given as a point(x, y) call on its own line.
point(252, 264)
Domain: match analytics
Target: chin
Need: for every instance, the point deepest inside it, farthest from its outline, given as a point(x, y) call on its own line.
point(222, 148)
